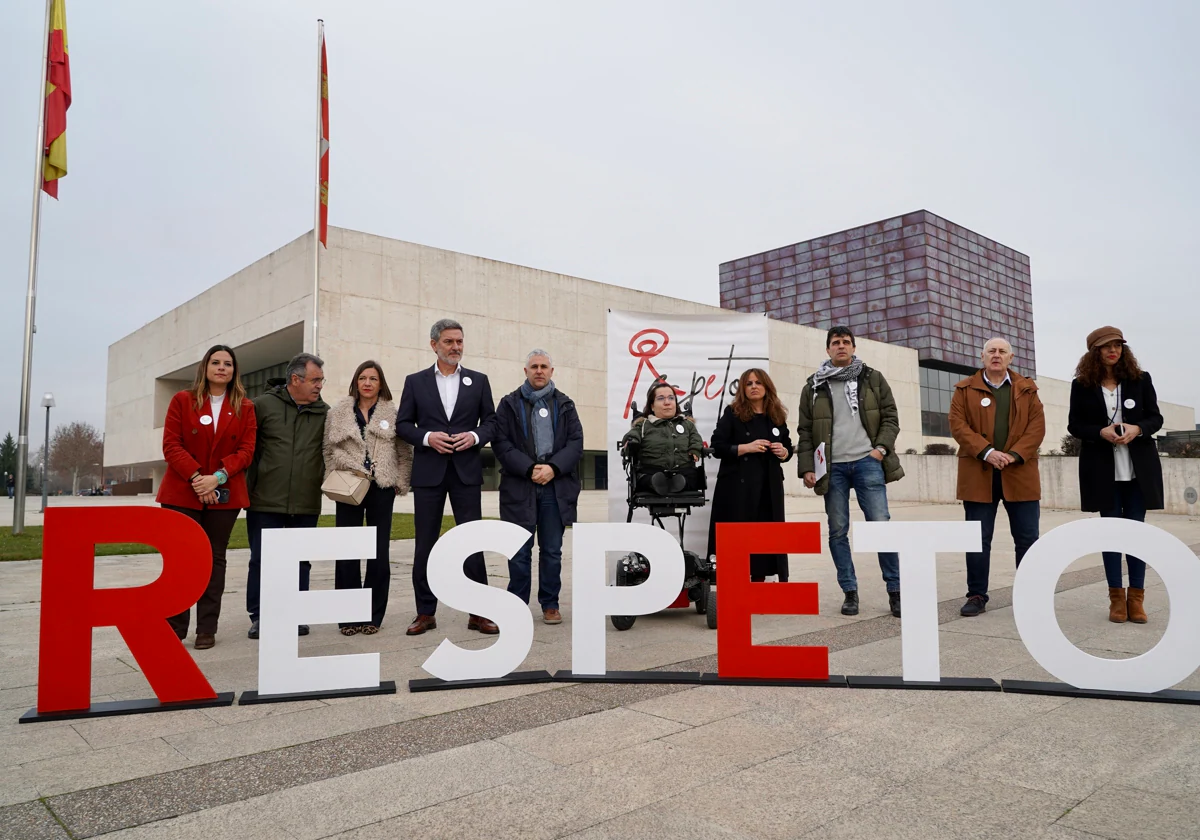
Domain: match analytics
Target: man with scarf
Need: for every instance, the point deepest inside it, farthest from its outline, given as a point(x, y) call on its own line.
point(849, 408)
point(539, 443)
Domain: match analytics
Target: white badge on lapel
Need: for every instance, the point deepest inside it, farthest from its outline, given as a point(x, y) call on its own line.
point(466, 380)
point(206, 420)
point(679, 428)
point(543, 412)
point(383, 424)
point(775, 431)
point(985, 402)
point(1129, 403)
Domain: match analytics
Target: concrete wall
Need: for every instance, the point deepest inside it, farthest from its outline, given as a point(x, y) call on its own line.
point(933, 478)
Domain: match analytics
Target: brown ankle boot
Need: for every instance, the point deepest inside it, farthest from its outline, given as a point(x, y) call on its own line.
point(1137, 613)
point(1116, 605)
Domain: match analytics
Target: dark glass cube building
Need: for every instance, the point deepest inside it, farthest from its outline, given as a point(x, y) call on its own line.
point(916, 280)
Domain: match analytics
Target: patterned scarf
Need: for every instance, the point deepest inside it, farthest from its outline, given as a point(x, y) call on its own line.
point(848, 374)
point(542, 426)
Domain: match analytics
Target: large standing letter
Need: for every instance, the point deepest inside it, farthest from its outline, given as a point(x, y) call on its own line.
point(737, 655)
point(918, 544)
point(72, 606)
point(284, 607)
point(594, 599)
point(1175, 656)
point(449, 584)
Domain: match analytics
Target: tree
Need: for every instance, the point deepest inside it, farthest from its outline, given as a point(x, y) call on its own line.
point(76, 451)
point(1070, 445)
point(8, 457)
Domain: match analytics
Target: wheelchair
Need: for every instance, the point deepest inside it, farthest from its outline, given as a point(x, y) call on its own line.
point(699, 575)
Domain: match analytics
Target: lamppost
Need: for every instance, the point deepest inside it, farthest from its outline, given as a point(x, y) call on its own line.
point(47, 403)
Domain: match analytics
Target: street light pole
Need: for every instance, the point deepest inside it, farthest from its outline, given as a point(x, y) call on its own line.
point(47, 403)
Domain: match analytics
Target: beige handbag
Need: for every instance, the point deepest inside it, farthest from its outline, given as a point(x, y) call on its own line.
point(347, 486)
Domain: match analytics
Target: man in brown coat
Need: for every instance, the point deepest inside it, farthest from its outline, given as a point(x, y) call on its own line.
point(996, 419)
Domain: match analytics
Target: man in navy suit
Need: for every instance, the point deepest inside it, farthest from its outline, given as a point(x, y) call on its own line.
point(446, 413)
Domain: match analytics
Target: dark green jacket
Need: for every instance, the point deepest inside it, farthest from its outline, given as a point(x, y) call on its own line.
point(663, 446)
point(288, 466)
point(876, 408)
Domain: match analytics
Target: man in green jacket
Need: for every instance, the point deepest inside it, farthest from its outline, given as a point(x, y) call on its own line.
point(848, 421)
point(285, 476)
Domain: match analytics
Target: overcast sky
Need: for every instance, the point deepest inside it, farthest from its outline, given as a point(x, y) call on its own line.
point(639, 144)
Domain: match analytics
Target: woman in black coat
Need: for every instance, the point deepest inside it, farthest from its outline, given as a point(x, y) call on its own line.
point(752, 441)
point(1114, 412)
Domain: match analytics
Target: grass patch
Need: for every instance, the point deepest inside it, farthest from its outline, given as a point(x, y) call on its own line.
point(28, 546)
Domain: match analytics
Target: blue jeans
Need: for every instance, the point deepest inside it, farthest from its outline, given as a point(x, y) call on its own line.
point(1023, 522)
point(1128, 503)
point(865, 476)
point(256, 522)
point(550, 539)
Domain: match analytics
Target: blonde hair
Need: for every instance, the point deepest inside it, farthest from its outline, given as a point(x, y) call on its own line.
point(235, 392)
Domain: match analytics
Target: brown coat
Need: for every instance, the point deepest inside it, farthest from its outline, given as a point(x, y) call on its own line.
point(972, 425)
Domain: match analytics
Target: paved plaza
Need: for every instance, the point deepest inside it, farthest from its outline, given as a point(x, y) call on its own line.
point(616, 761)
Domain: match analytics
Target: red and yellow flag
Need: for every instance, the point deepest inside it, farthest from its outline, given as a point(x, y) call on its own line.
point(58, 100)
point(323, 177)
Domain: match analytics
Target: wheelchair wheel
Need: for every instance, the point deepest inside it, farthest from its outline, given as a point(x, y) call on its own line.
point(702, 599)
point(623, 622)
point(710, 608)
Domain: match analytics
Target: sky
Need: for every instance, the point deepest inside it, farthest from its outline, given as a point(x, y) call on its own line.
point(633, 143)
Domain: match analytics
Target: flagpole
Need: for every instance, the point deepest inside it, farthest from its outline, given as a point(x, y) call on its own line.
point(35, 238)
point(316, 233)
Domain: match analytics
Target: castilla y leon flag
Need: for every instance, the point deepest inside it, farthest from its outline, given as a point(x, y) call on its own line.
point(324, 168)
point(58, 100)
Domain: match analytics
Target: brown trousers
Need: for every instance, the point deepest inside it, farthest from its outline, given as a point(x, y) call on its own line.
point(218, 525)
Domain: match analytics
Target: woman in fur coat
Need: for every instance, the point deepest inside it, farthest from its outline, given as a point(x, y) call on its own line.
point(360, 436)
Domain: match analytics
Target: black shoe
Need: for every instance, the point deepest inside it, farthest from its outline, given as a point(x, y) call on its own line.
point(659, 482)
point(850, 605)
point(253, 634)
point(303, 631)
point(974, 606)
point(678, 483)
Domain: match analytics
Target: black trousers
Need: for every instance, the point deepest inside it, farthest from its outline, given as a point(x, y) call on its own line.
point(376, 506)
point(218, 525)
point(429, 505)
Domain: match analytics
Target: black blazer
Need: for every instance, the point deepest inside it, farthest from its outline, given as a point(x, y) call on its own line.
point(1097, 465)
point(421, 411)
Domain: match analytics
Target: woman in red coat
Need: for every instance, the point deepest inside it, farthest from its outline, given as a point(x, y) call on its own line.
point(208, 441)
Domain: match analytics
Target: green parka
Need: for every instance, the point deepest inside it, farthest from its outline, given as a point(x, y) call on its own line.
point(666, 444)
point(288, 467)
point(877, 410)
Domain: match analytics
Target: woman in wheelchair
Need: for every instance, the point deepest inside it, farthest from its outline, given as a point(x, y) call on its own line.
point(664, 444)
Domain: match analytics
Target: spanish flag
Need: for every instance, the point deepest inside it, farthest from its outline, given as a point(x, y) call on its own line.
point(58, 100)
point(323, 176)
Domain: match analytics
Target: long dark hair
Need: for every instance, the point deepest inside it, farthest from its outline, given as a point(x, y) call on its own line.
point(1091, 370)
point(772, 407)
point(385, 393)
point(648, 409)
point(234, 390)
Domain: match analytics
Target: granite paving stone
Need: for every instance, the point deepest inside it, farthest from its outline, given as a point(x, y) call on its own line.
point(579, 739)
point(1122, 812)
point(30, 821)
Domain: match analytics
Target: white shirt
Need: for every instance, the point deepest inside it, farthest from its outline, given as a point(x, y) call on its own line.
point(1121, 457)
point(215, 402)
point(448, 385)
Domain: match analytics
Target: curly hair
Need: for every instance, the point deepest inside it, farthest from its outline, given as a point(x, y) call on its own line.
point(773, 408)
point(1091, 370)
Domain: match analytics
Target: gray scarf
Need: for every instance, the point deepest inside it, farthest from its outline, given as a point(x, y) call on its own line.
point(541, 422)
point(848, 374)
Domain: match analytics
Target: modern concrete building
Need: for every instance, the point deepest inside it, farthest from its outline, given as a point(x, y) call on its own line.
point(378, 298)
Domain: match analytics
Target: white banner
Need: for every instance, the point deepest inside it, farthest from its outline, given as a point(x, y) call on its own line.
point(702, 356)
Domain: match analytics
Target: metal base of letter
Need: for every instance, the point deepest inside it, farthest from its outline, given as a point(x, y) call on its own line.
point(127, 707)
point(253, 698)
point(1170, 695)
point(652, 677)
point(515, 678)
point(834, 681)
point(944, 684)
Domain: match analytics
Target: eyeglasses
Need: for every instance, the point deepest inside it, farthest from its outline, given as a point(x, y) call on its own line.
point(664, 398)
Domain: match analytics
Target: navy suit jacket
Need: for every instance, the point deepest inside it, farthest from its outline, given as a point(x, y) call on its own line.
point(421, 411)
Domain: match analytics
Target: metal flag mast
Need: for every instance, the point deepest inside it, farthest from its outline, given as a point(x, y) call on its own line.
point(322, 144)
point(35, 234)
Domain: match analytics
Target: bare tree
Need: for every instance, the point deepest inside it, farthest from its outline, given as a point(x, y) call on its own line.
point(76, 451)
point(1071, 445)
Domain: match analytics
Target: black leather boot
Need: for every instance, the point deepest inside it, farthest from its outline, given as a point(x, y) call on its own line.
point(850, 605)
point(894, 601)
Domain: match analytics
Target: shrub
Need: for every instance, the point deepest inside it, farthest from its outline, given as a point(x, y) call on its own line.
point(1070, 445)
point(940, 449)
